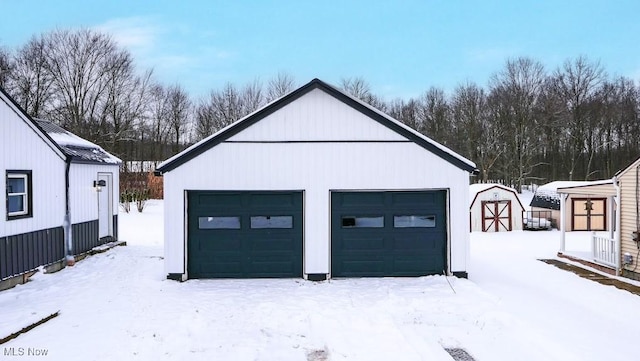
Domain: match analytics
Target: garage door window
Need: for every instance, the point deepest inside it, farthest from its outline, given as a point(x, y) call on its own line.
point(414, 221)
point(363, 222)
point(260, 222)
point(219, 222)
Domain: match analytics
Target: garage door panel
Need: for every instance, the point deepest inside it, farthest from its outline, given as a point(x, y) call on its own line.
point(244, 235)
point(210, 244)
point(271, 201)
point(220, 266)
point(275, 245)
point(217, 201)
point(413, 244)
point(360, 199)
point(363, 268)
point(411, 241)
point(355, 244)
point(419, 200)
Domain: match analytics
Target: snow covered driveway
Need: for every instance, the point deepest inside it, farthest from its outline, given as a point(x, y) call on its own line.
point(118, 305)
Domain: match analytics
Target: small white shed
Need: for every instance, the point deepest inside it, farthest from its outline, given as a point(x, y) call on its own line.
point(316, 184)
point(494, 208)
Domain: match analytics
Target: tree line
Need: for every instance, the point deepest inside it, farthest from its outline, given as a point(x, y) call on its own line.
point(527, 124)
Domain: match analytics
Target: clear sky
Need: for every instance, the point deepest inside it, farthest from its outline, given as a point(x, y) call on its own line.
point(400, 47)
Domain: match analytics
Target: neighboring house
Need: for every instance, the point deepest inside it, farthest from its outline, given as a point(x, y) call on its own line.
point(620, 249)
point(50, 175)
point(494, 208)
point(583, 212)
point(316, 185)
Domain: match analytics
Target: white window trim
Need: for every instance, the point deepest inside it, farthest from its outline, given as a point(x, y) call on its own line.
point(25, 194)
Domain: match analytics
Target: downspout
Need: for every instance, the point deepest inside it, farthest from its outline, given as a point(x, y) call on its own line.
point(68, 237)
point(617, 240)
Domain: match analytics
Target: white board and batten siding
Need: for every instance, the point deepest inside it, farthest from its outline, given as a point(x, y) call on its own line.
point(316, 144)
point(83, 196)
point(24, 148)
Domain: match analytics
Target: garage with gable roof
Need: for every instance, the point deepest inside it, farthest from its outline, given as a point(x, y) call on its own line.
point(316, 184)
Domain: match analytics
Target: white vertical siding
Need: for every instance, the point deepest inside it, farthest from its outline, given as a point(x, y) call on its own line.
point(23, 148)
point(316, 116)
point(83, 197)
point(316, 168)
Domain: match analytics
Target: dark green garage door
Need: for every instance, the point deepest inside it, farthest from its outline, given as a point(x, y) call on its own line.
point(244, 234)
point(380, 234)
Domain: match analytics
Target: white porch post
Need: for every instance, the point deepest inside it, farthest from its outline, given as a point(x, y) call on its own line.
point(612, 216)
point(616, 238)
point(563, 200)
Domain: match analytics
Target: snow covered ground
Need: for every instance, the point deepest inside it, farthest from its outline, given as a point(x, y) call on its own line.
point(119, 306)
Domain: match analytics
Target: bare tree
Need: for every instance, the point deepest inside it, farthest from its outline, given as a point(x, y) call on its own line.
point(5, 67)
point(406, 112)
point(279, 86)
point(514, 96)
point(480, 139)
point(79, 63)
point(577, 83)
point(252, 97)
point(435, 116)
point(30, 82)
point(359, 88)
point(178, 113)
point(158, 120)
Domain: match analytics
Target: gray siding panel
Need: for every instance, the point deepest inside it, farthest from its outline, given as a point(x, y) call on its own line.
point(115, 227)
point(85, 236)
point(25, 252)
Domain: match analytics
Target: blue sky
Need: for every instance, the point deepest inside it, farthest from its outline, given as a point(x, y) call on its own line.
point(400, 47)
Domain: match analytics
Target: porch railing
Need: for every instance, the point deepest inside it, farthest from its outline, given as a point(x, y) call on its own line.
point(604, 250)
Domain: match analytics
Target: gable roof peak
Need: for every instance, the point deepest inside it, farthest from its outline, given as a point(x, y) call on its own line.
point(359, 105)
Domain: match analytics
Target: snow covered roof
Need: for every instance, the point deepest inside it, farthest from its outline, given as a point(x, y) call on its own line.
point(384, 119)
point(553, 186)
point(476, 188)
point(479, 187)
point(80, 150)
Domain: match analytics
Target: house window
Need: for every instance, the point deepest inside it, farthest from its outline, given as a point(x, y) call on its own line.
point(19, 194)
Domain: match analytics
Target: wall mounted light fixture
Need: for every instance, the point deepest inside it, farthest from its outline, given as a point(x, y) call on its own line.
point(99, 184)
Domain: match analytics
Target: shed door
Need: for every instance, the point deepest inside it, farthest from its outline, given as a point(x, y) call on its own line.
point(378, 234)
point(589, 214)
point(244, 234)
point(496, 216)
point(105, 206)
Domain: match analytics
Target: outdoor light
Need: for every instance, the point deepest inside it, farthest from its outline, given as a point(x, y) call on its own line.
point(99, 184)
point(588, 205)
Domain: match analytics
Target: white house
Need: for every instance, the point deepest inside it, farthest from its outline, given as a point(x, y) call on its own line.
point(50, 176)
point(316, 184)
point(494, 208)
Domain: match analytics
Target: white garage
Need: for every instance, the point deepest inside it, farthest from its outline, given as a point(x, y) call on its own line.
point(494, 208)
point(316, 185)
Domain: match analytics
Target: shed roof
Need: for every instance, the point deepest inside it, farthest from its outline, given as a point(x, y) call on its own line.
point(478, 188)
point(78, 149)
point(373, 113)
point(601, 187)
